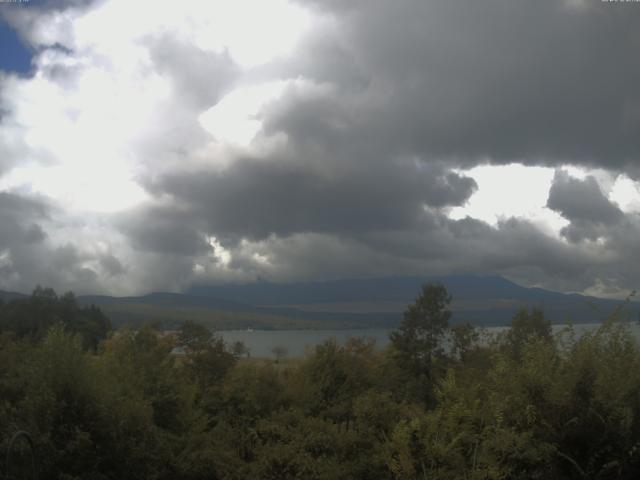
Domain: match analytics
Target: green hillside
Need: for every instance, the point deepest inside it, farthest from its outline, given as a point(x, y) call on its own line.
point(171, 317)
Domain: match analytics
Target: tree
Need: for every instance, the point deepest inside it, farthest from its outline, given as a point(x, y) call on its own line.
point(329, 380)
point(207, 356)
point(464, 338)
point(424, 325)
point(417, 342)
point(32, 317)
point(525, 327)
point(194, 337)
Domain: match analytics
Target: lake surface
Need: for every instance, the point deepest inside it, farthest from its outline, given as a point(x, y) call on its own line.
point(298, 342)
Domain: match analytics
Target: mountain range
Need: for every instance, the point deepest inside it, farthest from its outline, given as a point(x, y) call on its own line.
point(353, 303)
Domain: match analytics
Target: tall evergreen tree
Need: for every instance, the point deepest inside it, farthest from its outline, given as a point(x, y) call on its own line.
point(418, 341)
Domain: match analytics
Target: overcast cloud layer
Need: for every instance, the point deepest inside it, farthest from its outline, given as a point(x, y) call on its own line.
point(160, 144)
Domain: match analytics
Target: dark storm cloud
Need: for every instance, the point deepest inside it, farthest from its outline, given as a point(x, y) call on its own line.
point(62, 266)
point(444, 245)
point(62, 4)
point(19, 218)
point(549, 81)
point(444, 84)
point(286, 221)
point(577, 199)
point(112, 265)
point(439, 247)
point(384, 102)
point(27, 258)
point(163, 229)
point(257, 198)
point(583, 203)
point(614, 259)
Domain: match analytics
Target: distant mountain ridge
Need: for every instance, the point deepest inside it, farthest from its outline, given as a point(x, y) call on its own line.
point(478, 299)
point(8, 296)
point(349, 303)
point(380, 289)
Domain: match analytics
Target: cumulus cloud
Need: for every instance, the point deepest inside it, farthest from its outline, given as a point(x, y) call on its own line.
point(256, 198)
point(167, 230)
point(194, 142)
point(582, 200)
point(540, 82)
point(440, 246)
point(19, 216)
point(583, 203)
point(26, 254)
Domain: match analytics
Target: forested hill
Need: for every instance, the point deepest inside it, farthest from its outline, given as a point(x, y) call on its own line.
point(355, 303)
point(481, 300)
point(8, 296)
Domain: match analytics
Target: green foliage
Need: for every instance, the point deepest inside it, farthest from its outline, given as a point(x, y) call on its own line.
point(194, 337)
point(525, 327)
point(464, 340)
point(72, 414)
point(418, 342)
point(137, 314)
point(330, 380)
point(425, 323)
point(524, 406)
point(206, 361)
point(34, 316)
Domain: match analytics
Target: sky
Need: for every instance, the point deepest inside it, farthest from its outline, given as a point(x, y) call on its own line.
point(150, 145)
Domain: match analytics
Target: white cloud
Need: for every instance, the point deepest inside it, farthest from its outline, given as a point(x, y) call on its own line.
point(99, 112)
point(89, 113)
point(253, 32)
point(522, 191)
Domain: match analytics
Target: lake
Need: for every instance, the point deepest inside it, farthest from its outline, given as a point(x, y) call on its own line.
point(298, 342)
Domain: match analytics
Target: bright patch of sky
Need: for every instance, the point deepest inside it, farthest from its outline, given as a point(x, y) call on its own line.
point(88, 134)
point(522, 191)
point(626, 193)
point(511, 191)
point(236, 118)
point(252, 32)
point(14, 56)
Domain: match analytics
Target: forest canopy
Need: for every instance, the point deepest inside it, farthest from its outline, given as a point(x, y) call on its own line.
point(439, 402)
